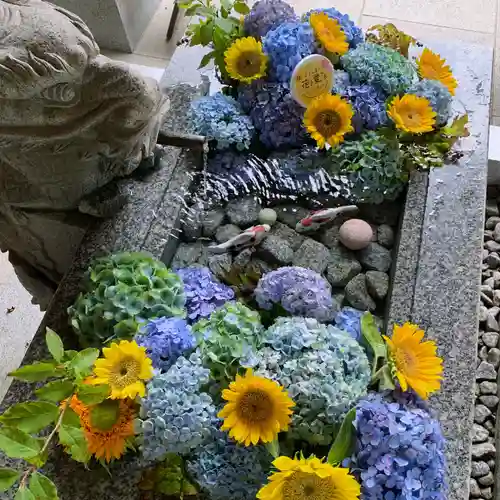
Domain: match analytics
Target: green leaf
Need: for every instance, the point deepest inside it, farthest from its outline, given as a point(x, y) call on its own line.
point(226, 25)
point(30, 417)
point(206, 59)
point(55, 345)
point(93, 394)
point(69, 355)
point(42, 487)
point(24, 493)
point(226, 4)
point(386, 381)
point(83, 362)
point(71, 419)
point(37, 372)
point(373, 339)
point(342, 446)
point(273, 447)
point(206, 33)
point(7, 478)
point(104, 415)
point(73, 439)
point(17, 444)
point(55, 391)
point(241, 8)
point(458, 127)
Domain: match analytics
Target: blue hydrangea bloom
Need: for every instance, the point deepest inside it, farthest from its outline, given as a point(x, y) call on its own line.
point(399, 452)
point(286, 46)
point(165, 339)
point(176, 417)
point(266, 15)
point(324, 370)
point(221, 119)
point(349, 320)
point(437, 94)
point(274, 113)
point(384, 68)
point(354, 34)
point(369, 105)
point(301, 292)
point(204, 294)
point(228, 471)
point(341, 80)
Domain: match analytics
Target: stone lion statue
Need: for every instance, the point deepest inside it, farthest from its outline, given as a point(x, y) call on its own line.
point(71, 121)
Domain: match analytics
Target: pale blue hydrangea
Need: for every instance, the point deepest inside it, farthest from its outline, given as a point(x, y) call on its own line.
point(341, 80)
point(301, 292)
point(266, 15)
point(437, 94)
point(274, 113)
point(384, 68)
point(399, 452)
point(324, 370)
point(221, 119)
point(226, 470)
point(354, 34)
point(165, 339)
point(176, 417)
point(229, 337)
point(286, 46)
point(349, 320)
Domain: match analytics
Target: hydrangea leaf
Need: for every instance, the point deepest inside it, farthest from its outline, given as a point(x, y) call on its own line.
point(344, 441)
point(374, 340)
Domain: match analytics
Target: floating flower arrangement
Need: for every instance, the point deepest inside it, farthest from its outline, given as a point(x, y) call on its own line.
point(215, 403)
point(294, 82)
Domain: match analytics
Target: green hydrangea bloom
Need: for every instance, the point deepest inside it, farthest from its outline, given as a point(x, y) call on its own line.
point(382, 67)
point(122, 290)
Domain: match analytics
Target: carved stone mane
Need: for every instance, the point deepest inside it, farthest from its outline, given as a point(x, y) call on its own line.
point(71, 121)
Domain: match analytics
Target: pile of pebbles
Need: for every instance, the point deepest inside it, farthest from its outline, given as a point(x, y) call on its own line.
point(488, 360)
point(358, 278)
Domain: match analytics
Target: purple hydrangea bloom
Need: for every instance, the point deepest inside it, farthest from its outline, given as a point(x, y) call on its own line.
point(266, 15)
point(399, 452)
point(353, 34)
point(349, 320)
point(286, 45)
point(274, 113)
point(301, 292)
point(165, 339)
point(369, 106)
point(203, 293)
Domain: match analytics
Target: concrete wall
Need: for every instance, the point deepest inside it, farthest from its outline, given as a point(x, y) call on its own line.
point(116, 24)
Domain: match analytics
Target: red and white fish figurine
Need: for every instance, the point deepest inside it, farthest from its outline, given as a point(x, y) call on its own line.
point(319, 218)
point(249, 238)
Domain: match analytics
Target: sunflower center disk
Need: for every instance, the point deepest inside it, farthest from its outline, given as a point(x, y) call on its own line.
point(125, 373)
point(255, 406)
point(303, 486)
point(327, 123)
point(405, 361)
point(248, 64)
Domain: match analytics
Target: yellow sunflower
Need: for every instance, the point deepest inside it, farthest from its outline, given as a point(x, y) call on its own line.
point(124, 368)
point(257, 409)
point(432, 67)
point(308, 479)
point(329, 33)
point(413, 362)
point(111, 443)
point(412, 114)
point(245, 60)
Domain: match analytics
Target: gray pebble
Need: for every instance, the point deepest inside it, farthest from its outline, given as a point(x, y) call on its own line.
point(357, 294)
point(491, 464)
point(211, 221)
point(341, 270)
point(275, 249)
point(375, 258)
point(483, 353)
point(385, 235)
point(226, 232)
point(494, 311)
point(491, 222)
point(192, 226)
point(492, 324)
point(490, 339)
point(287, 234)
point(244, 257)
point(488, 387)
point(487, 480)
point(220, 264)
point(479, 469)
point(486, 371)
point(490, 426)
point(475, 492)
point(489, 401)
point(488, 236)
point(494, 357)
point(483, 313)
point(479, 434)
point(190, 254)
point(492, 246)
point(243, 212)
point(377, 284)
point(481, 413)
point(493, 260)
point(490, 282)
point(330, 236)
point(496, 233)
point(487, 290)
point(486, 493)
point(485, 254)
point(496, 298)
point(384, 213)
point(312, 255)
point(491, 208)
point(483, 450)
